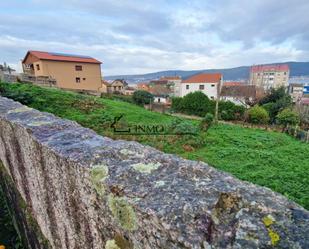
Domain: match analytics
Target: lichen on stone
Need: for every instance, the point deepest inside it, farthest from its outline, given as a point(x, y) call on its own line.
point(98, 174)
point(39, 123)
point(21, 109)
point(268, 220)
point(159, 184)
point(274, 237)
point(111, 244)
point(123, 212)
point(146, 168)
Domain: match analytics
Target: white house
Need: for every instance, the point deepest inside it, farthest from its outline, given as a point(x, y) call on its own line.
point(206, 83)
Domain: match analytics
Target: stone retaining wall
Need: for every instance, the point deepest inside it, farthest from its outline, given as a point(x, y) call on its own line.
point(87, 191)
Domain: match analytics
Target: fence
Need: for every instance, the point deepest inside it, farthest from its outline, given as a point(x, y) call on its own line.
point(298, 133)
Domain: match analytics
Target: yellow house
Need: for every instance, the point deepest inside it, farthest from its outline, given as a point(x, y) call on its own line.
point(72, 72)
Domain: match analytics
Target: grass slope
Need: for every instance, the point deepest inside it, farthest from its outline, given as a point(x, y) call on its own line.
point(270, 159)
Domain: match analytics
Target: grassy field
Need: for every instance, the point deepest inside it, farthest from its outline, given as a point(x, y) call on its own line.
point(266, 158)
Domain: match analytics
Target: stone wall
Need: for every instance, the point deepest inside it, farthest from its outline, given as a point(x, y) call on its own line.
point(86, 191)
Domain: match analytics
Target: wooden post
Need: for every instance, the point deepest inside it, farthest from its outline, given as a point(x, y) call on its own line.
point(217, 102)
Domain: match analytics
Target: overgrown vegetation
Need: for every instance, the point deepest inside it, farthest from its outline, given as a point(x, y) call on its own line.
point(141, 97)
point(266, 158)
point(197, 103)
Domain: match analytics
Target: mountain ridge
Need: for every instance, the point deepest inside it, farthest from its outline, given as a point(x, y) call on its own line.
point(235, 73)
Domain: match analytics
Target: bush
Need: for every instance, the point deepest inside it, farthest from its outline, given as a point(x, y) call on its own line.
point(229, 111)
point(288, 117)
point(276, 101)
point(258, 115)
point(195, 103)
point(180, 127)
point(206, 122)
point(142, 97)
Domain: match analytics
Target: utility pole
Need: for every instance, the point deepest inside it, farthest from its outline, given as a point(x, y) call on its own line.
point(217, 101)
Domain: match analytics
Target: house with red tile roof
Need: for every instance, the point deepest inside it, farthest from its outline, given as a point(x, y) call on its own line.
point(206, 83)
point(73, 72)
point(270, 76)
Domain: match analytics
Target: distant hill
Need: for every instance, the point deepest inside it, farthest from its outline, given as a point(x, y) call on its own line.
point(237, 73)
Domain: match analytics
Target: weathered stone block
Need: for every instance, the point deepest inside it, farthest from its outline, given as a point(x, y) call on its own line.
point(88, 191)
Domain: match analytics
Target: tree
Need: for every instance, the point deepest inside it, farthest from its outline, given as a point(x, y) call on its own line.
point(258, 115)
point(288, 117)
point(276, 101)
point(141, 97)
point(197, 103)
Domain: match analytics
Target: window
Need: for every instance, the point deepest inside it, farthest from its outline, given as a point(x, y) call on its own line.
point(78, 68)
point(37, 67)
point(77, 80)
point(159, 100)
point(212, 85)
point(202, 87)
point(187, 87)
point(84, 78)
point(212, 97)
point(119, 87)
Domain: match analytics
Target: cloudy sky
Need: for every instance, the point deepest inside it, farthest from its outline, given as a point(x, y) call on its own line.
point(141, 36)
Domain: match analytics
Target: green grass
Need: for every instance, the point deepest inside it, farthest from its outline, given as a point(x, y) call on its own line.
point(269, 159)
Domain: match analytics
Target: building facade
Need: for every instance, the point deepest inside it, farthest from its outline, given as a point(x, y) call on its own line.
point(270, 76)
point(71, 72)
point(206, 83)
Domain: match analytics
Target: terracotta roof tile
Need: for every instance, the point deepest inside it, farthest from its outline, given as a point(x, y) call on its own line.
point(61, 57)
point(204, 78)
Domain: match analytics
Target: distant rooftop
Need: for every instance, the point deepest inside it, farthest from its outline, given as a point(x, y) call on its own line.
point(262, 68)
point(204, 78)
point(61, 57)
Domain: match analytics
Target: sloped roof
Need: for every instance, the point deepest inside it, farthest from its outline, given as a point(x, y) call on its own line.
point(61, 57)
point(159, 90)
point(239, 91)
point(233, 83)
point(204, 78)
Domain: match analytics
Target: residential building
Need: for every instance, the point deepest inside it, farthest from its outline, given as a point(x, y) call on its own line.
point(174, 84)
point(296, 91)
point(241, 94)
point(161, 94)
point(129, 90)
point(143, 86)
point(206, 83)
point(117, 86)
point(270, 76)
point(74, 72)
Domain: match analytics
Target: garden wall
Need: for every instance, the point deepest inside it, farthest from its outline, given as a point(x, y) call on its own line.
point(70, 188)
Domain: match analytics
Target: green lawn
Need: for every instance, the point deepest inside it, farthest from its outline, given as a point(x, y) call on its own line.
point(266, 158)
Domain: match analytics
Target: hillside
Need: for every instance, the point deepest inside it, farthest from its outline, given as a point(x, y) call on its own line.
point(237, 73)
point(269, 159)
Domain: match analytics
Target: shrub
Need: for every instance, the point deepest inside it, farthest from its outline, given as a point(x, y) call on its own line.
point(184, 127)
point(142, 97)
point(258, 115)
point(276, 101)
point(288, 117)
point(206, 122)
point(195, 103)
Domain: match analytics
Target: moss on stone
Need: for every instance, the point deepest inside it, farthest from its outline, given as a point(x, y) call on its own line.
point(123, 212)
point(146, 168)
point(111, 244)
point(98, 174)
